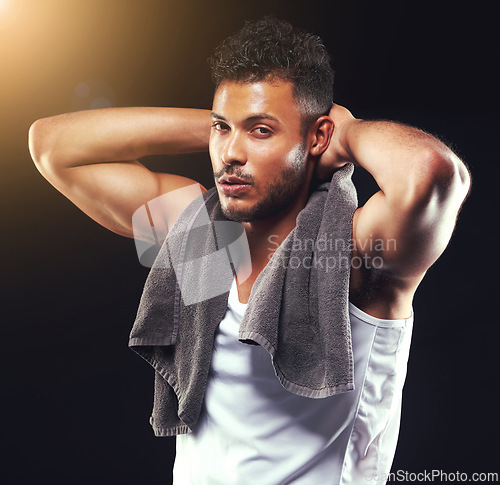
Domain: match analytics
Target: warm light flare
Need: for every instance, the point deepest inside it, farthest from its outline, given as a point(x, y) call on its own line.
point(4, 7)
point(8, 10)
point(10, 15)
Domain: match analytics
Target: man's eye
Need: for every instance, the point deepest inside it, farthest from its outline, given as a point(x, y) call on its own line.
point(218, 125)
point(262, 131)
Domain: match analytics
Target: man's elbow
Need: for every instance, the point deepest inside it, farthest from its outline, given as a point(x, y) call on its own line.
point(41, 143)
point(439, 184)
point(451, 179)
point(465, 179)
point(37, 143)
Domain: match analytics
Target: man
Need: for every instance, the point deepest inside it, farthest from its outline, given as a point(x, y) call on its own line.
point(274, 135)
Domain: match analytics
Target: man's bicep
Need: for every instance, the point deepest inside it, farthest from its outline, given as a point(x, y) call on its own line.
point(404, 240)
point(111, 193)
point(153, 219)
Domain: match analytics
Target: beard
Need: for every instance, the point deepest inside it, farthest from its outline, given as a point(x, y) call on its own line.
point(280, 193)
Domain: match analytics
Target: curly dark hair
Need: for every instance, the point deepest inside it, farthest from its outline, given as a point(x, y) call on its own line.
point(271, 48)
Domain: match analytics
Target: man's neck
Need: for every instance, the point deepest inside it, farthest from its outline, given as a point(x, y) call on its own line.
point(264, 237)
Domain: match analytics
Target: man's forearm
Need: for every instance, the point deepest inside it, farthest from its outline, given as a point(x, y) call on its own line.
point(405, 161)
point(118, 134)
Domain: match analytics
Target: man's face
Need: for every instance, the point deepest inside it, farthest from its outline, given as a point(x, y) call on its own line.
point(258, 153)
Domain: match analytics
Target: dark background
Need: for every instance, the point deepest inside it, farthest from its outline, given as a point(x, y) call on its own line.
point(75, 400)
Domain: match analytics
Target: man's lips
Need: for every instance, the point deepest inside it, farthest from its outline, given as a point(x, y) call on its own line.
point(232, 185)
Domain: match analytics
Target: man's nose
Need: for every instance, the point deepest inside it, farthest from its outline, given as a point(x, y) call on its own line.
point(234, 150)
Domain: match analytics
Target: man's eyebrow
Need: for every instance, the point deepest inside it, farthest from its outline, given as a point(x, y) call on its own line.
point(216, 116)
point(255, 117)
point(262, 116)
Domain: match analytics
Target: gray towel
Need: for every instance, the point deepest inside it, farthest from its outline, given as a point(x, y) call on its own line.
point(298, 307)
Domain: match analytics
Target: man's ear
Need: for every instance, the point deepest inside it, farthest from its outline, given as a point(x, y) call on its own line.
point(320, 135)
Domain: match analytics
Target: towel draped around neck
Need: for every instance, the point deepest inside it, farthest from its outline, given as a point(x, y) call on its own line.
point(298, 306)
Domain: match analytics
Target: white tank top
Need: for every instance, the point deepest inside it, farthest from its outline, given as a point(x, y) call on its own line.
point(252, 430)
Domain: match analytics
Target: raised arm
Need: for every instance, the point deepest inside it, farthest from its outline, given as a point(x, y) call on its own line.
point(92, 158)
point(405, 226)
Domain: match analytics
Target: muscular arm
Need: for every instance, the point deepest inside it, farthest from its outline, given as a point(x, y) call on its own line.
point(92, 158)
point(409, 222)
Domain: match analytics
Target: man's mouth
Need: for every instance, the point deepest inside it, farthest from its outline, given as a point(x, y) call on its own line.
point(232, 185)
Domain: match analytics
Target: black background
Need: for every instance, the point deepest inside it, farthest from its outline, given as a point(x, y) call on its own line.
point(75, 400)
